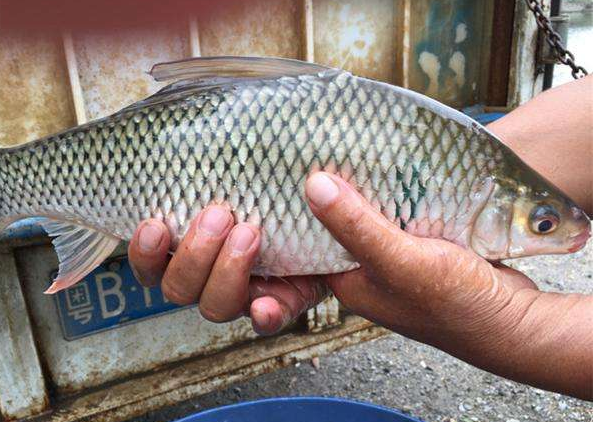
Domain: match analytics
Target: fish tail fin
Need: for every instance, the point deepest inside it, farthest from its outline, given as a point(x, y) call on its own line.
point(80, 250)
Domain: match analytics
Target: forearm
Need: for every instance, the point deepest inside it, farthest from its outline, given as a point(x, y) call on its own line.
point(549, 344)
point(553, 133)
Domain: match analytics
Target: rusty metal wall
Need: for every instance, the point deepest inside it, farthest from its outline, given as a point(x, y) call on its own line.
point(356, 35)
point(61, 77)
point(439, 48)
point(35, 93)
point(448, 49)
point(112, 66)
point(254, 27)
point(114, 354)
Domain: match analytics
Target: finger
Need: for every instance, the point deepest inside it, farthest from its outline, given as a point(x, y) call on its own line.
point(357, 292)
point(277, 302)
point(190, 267)
point(375, 242)
point(226, 293)
point(149, 252)
point(269, 316)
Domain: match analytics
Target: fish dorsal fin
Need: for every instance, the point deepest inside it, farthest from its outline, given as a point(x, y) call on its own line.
point(80, 250)
point(204, 73)
point(236, 67)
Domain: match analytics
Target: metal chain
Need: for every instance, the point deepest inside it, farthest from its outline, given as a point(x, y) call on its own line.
point(554, 39)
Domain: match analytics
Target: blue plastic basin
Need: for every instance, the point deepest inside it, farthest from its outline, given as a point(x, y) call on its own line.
point(301, 409)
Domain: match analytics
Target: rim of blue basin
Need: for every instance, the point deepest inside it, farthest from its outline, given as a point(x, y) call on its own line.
point(301, 409)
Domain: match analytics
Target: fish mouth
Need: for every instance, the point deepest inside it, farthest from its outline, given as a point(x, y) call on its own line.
point(579, 241)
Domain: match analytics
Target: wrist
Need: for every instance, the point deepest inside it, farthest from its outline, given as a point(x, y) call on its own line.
point(543, 339)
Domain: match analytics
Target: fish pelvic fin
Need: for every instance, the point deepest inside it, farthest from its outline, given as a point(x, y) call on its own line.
point(80, 251)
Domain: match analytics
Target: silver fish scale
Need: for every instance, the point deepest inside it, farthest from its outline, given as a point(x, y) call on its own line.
point(251, 144)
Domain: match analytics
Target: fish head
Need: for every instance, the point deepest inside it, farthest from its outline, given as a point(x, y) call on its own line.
point(547, 224)
point(524, 216)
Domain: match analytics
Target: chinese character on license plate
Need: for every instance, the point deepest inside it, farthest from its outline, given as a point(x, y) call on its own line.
point(107, 298)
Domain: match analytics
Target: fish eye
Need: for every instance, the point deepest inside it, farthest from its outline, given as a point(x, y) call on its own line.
point(544, 219)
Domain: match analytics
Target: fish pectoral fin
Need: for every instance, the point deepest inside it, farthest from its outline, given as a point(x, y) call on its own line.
point(238, 67)
point(80, 250)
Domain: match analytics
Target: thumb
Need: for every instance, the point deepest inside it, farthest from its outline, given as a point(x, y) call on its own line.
point(375, 242)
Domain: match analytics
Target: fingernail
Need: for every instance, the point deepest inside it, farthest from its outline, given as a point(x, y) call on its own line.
point(150, 237)
point(321, 190)
point(262, 319)
point(241, 240)
point(214, 221)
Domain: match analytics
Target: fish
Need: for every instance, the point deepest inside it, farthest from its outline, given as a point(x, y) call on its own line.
point(247, 132)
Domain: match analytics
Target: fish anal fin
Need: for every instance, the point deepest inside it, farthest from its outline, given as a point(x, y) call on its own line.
point(80, 250)
point(233, 67)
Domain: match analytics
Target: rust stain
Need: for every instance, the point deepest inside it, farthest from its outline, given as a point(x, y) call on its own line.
point(191, 378)
point(258, 27)
point(34, 94)
point(357, 36)
point(113, 66)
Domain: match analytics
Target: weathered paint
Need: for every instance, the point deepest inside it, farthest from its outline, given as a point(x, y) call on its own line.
point(23, 229)
point(357, 36)
point(192, 378)
point(113, 66)
point(446, 54)
point(114, 354)
point(257, 27)
point(34, 93)
point(74, 77)
point(524, 83)
point(194, 37)
point(307, 31)
point(22, 387)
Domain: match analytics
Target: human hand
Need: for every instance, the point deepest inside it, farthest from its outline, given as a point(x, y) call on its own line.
point(212, 267)
point(438, 293)
point(426, 289)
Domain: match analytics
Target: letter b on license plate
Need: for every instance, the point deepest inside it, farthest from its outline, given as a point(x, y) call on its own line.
point(107, 298)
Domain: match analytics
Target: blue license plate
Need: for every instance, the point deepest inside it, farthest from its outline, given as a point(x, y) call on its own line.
point(108, 298)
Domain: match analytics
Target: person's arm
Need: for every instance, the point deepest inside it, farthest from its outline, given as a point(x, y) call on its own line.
point(441, 294)
point(553, 134)
point(429, 290)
